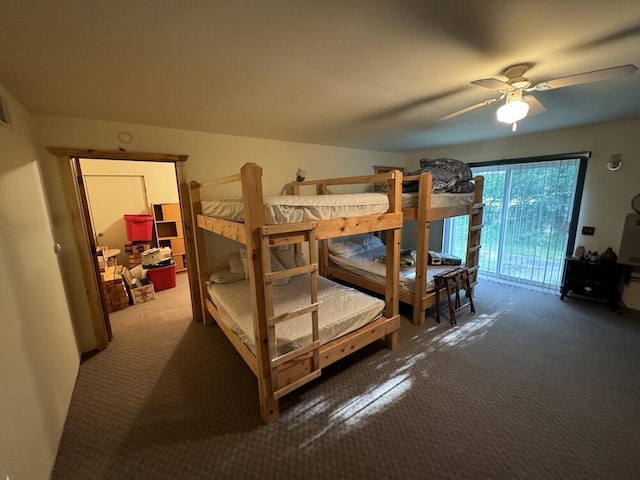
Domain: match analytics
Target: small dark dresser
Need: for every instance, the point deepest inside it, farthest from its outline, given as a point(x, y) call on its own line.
point(598, 280)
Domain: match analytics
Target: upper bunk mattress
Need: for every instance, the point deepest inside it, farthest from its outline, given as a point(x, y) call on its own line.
point(439, 200)
point(301, 208)
point(370, 266)
point(342, 310)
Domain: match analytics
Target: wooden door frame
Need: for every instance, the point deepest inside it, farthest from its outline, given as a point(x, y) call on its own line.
point(69, 167)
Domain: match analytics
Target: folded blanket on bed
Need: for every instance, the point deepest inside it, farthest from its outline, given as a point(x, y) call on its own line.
point(449, 175)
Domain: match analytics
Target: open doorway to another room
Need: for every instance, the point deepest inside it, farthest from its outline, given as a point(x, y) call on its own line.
point(141, 193)
point(138, 231)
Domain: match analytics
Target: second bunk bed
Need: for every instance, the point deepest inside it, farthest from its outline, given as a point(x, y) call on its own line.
point(285, 320)
point(366, 268)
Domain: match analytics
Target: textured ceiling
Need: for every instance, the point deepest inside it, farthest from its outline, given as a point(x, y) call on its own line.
point(374, 74)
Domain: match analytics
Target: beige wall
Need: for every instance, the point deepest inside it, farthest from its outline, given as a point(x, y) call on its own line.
point(210, 156)
point(39, 357)
point(607, 195)
point(159, 177)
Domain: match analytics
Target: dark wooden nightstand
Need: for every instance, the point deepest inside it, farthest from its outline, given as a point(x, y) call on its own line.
point(599, 280)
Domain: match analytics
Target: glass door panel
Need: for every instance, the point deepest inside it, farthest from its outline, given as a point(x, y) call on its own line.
point(528, 207)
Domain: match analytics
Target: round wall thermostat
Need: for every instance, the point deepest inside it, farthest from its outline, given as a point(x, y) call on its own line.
point(635, 203)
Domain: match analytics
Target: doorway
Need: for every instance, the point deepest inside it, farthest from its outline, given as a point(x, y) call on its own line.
point(530, 219)
point(85, 238)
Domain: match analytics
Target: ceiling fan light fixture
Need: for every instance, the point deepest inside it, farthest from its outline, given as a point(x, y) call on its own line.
point(512, 111)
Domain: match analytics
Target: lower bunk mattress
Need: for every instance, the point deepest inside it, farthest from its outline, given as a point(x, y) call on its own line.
point(371, 266)
point(342, 310)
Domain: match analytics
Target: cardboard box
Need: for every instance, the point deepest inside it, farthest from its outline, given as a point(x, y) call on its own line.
point(135, 259)
point(143, 294)
point(113, 289)
point(136, 248)
point(139, 293)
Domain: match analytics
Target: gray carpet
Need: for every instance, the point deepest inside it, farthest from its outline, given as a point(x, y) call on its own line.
point(530, 387)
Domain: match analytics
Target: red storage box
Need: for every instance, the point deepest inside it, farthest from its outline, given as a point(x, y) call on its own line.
point(162, 277)
point(139, 227)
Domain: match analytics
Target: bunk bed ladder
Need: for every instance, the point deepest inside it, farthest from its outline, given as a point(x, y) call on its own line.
point(476, 211)
point(269, 237)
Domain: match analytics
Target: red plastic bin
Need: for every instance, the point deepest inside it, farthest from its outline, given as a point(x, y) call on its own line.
point(162, 277)
point(139, 227)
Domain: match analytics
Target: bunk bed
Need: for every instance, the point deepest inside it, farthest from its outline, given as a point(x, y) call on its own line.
point(422, 206)
point(287, 333)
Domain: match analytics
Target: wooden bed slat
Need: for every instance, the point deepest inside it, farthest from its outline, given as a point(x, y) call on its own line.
point(298, 383)
point(295, 353)
point(293, 314)
point(291, 272)
point(221, 181)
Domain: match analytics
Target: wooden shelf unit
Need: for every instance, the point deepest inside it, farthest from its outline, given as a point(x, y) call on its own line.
point(169, 231)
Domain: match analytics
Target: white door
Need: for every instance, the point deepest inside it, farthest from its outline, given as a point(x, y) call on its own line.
point(110, 197)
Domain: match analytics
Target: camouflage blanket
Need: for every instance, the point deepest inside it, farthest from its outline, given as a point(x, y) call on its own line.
point(449, 175)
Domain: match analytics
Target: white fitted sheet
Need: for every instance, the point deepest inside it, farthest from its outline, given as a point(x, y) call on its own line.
point(368, 265)
point(342, 310)
point(439, 200)
point(301, 208)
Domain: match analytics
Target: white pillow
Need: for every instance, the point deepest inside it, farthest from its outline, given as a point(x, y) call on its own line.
point(286, 255)
point(236, 265)
point(243, 259)
point(226, 276)
point(366, 240)
point(277, 266)
point(345, 249)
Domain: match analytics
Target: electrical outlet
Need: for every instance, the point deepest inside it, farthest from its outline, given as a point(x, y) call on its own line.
point(588, 230)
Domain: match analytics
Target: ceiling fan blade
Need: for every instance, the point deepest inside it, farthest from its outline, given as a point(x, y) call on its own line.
point(493, 84)
point(587, 77)
point(535, 107)
point(468, 109)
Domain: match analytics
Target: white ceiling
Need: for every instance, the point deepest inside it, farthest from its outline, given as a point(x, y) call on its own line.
point(374, 74)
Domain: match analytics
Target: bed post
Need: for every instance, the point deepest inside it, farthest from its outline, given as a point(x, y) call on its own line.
point(201, 254)
point(425, 183)
point(254, 218)
point(392, 287)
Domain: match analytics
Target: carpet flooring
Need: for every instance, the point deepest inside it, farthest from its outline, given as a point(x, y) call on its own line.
point(529, 387)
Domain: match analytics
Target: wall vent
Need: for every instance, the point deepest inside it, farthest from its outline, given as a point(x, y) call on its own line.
point(4, 114)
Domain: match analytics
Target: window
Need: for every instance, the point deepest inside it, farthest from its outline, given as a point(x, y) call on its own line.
point(530, 219)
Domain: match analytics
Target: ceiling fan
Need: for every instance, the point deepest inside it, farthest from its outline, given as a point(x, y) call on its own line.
point(519, 104)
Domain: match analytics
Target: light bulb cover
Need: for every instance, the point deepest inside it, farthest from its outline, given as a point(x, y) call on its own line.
point(513, 111)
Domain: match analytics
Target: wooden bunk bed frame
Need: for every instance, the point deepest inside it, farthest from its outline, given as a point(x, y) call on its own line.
point(423, 214)
point(279, 375)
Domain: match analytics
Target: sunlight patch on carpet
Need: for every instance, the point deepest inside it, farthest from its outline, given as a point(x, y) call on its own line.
point(468, 332)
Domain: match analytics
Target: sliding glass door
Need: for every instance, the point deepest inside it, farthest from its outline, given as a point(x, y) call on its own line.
point(529, 207)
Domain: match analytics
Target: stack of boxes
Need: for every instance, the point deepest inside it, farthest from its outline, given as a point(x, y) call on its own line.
point(113, 291)
point(134, 252)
